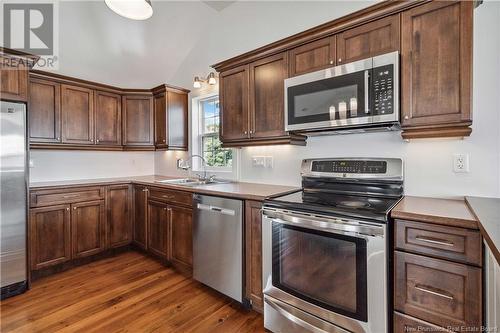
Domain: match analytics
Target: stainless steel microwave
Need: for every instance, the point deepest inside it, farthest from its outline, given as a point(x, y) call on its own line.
point(362, 94)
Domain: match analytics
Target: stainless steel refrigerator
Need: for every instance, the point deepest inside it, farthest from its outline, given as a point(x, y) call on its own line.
point(13, 199)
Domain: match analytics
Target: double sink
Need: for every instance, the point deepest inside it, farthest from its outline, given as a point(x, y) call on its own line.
point(191, 182)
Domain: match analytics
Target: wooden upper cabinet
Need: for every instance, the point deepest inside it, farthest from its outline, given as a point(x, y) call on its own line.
point(77, 109)
point(312, 56)
point(118, 226)
point(138, 120)
point(158, 228)
point(140, 229)
point(44, 111)
point(436, 69)
point(160, 114)
point(177, 120)
point(233, 86)
point(267, 96)
point(181, 237)
point(88, 228)
point(14, 79)
point(108, 118)
point(369, 40)
point(49, 236)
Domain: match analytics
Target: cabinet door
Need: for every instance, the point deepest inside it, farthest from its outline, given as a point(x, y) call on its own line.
point(138, 121)
point(158, 225)
point(119, 226)
point(108, 119)
point(438, 291)
point(140, 216)
point(436, 64)
point(233, 86)
point(50, 237)
point(87, 228)
point(253, 254)
point(369, 40)
point(177, 114)
point(181, 237)
point(14, 79)
point(267, 96)
point(77, 109)
point(160, 110)
point(44, 111)
point(312, 56)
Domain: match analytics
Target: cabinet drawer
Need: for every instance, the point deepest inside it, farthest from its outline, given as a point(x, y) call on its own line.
point(437, 291)
point(439, 241)
point(42, 198)
point(404, 323)
point(171, 196)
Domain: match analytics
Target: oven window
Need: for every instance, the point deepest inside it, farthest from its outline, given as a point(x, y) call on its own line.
point(335, 98)
point(325, 269)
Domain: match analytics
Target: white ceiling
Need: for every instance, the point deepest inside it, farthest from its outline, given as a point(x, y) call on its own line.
point(182, 39)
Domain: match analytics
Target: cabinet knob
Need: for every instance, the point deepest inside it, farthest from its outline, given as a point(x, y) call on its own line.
point(67, 208)
point(97, 140)
point(164, 209)
point(406, 117)
point(246, 132)
point(331, 62)
point(163, 140)
point(74, 208)
point(340, 59)
point(58, 139)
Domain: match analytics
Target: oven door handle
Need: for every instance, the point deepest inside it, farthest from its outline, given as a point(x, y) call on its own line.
point(330, 226)
point(302, 319)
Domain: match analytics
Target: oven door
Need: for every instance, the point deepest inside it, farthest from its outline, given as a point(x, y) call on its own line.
point(333, 269)
point(334, 97)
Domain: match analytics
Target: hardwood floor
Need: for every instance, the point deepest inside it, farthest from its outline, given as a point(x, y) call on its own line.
point(126, 293)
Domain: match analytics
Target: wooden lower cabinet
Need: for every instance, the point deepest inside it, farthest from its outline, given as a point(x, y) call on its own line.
point(49, 236)
point(158, 229)
point(253, 254)
point(87, 228)
point(118, 211)
point(404, 323)
point(140, 232)
point(181, 238)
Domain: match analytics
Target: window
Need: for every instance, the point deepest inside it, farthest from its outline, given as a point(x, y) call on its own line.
point(210, 146)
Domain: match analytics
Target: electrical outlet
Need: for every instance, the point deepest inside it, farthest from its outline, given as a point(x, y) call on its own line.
point(461, 163)
point(269, 162)
point(258, 161)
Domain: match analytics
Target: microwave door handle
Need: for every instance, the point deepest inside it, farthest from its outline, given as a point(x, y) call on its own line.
point(367, 91)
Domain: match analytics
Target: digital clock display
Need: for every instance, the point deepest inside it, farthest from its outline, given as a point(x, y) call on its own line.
point(350, 166)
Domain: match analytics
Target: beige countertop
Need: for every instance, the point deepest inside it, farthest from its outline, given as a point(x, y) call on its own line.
point(487, 212)
point(240, 190)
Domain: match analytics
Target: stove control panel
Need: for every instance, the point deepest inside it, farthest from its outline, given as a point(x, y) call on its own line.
point(349, 166)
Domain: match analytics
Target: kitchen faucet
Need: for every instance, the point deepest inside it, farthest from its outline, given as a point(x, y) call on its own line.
point(184, 165)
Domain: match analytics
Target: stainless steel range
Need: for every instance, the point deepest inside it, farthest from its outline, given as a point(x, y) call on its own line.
point(325, 265)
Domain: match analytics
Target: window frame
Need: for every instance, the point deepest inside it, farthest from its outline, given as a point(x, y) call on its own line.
point(198, 135)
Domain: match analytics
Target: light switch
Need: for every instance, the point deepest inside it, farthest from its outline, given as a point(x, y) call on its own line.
point(258, 161)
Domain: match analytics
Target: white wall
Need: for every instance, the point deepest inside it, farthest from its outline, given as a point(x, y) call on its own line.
point(428, 163)
point(64, 165)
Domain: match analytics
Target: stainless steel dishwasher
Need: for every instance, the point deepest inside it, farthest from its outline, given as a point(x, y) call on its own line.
point(218, 244)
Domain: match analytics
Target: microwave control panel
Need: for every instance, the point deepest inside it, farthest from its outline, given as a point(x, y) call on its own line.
point(383, 92)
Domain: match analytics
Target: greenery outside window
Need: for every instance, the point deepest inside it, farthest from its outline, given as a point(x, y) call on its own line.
point(210, 145)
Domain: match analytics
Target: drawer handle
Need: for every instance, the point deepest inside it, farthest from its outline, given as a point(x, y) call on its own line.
point(69, 196)
point(432, 292)
point(434, 241)
point(167, 196)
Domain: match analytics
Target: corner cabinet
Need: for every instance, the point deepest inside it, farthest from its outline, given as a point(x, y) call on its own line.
point(138, 122)
point(252, 104)
point(436, 70)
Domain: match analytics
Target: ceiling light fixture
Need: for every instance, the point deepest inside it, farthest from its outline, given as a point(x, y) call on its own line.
point(131, 9)
point(211, 80)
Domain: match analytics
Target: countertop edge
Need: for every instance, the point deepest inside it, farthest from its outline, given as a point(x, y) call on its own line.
point(440, 220)
point(491, 244)
point(197, 190)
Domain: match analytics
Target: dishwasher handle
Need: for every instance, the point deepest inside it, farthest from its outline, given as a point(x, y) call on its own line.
point(215, 209)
